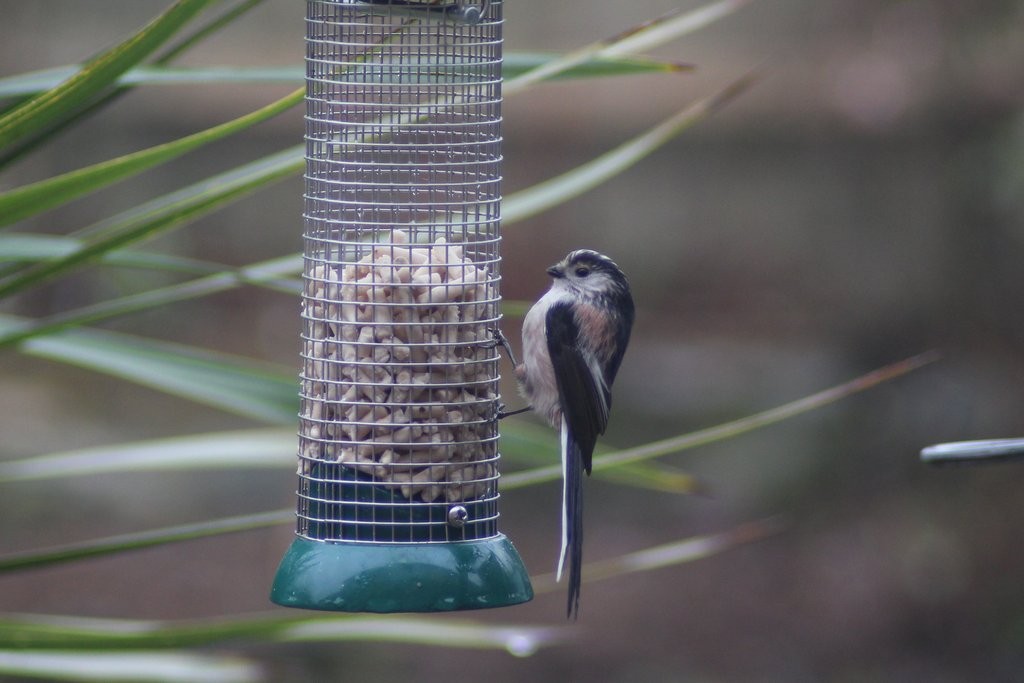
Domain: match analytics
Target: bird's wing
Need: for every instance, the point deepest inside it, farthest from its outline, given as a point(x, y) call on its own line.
point(584, 402)
point(581, 386)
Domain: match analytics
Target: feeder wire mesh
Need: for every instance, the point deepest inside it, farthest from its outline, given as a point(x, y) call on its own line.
point(398, 436)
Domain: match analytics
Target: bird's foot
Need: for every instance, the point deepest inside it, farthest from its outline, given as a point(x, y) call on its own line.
point(498, 338)
point(502, 413)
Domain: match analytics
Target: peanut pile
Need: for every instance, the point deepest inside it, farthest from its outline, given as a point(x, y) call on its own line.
point(396, 383)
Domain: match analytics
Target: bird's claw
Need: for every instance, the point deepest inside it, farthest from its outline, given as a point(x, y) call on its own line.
point(502, 413)
point(498, 338)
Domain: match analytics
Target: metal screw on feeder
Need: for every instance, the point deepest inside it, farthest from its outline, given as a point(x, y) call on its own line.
point(398, 438)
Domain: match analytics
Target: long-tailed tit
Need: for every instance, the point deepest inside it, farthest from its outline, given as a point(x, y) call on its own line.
point(574, 338)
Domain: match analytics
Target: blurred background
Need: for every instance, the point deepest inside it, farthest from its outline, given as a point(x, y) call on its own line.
point(863, 203)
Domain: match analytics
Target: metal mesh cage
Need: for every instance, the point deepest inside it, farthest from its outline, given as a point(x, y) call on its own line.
point(399, 396)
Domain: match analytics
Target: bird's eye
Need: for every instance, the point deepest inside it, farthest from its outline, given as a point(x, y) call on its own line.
point(582, 272)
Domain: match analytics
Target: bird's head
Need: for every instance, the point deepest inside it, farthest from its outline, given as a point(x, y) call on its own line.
point(589, 273)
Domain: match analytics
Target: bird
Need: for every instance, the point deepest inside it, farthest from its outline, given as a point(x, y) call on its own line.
point(574, 339)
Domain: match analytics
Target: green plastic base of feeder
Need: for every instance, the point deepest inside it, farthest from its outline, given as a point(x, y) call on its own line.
point(401, 577)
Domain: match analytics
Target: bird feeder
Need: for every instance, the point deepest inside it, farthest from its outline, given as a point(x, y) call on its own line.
point(398, 440)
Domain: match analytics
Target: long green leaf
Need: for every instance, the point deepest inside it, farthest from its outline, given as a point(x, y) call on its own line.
point(557, 190)
point(53, 192)
point(670, 27)
point(677, 552)
point(22, 249)
point(130, 667)
point(46, 632)
point(233, 384)
point(203, 32)
point(268, 274)
point(73, 552)
point(508, 481)
point(735, 427)
point(548, 193)
point(111, 95)
point(521, 641)
point(513, 64)
point(523, 444)
point(97, 75)
point(517, 206)
point(38, 632)
point(642, 37)
point(527, 444)
point(277, 400)
point(22, 202)
point(669, 554)
point(16, 248)
point(47, 194)
point(161, 214)
point(248, 449)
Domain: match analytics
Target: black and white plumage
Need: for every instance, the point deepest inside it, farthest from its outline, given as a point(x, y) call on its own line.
point(574, 338)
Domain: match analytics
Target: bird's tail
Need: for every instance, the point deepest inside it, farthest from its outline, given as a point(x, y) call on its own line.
point(572, 517)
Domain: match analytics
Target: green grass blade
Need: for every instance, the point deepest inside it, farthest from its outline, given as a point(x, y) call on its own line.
point(23, 248)
point(231, 383)
point(533, 200)
point(96, 76)
point(111, 95)
point(528, 444)
point(28, 83)
point(670, 27)
point(522, 444)
point(733, 428)
point(644, 36)
point(19, 250)
point(548, 192)
point(657, 557)
point(277, 403)
point(200, 198)
point(58, 632)
point(514, 64)
point(164, 213)
point(667, 555)
point(44, 195)
point(206, 31)
point(248, 449)
point(52, 192)
point(521, 641)
point(130, 667)
point(48, 632)
point(268, 274)
point(36, 559)
point(35, 82)
point(509, 481)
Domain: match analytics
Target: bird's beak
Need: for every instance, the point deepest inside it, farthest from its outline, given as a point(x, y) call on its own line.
point(556, 271)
